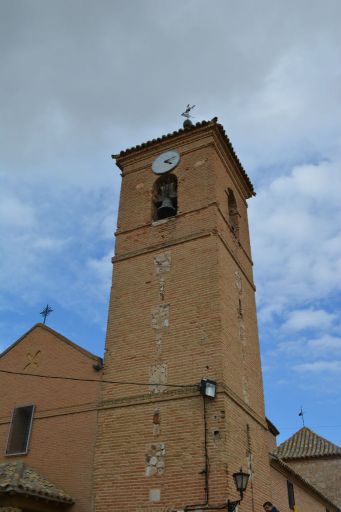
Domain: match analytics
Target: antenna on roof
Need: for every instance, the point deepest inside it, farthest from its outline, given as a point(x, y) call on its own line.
point(187, 115)
point(301, 413)
point(45, 313)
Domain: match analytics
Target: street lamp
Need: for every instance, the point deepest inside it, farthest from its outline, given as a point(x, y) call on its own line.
point(240, 480)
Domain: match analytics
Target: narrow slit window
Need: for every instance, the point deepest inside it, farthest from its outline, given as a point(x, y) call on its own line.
point(20, 430)
point(291, 495)
point(165, 200)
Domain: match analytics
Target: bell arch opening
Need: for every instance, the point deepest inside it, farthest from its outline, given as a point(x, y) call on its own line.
point(165, 198)
point(233, 214)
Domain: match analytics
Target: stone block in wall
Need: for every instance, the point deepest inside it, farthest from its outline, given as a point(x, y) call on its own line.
point(160, 316)
point(162, 262)
point(158, 377)
point(155, 459)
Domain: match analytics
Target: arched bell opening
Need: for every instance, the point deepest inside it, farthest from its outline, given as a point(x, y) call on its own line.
point(233, 212)
point(165, 200)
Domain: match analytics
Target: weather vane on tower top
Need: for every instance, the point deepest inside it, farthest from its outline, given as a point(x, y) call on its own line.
point(187, 115)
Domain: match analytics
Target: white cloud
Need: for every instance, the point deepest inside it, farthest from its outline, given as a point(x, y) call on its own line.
point(54, 247)
point(326, 346)
point(319, 366)
point(330, 345)
point(14, 212)
point(48, 243)
point(309, 319)
point(289, 347)
point(297, 238)
point(101, 270)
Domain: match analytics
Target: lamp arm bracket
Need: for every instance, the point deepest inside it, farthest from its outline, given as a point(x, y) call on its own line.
point(231, 505)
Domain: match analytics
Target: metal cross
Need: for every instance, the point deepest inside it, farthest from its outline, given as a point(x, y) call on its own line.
point(45, 313)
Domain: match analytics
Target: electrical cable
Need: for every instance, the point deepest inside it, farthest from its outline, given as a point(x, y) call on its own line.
point(188, 386)
point(99, 380)
point(206, 470)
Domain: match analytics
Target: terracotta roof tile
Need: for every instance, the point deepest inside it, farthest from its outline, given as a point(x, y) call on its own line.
point(305, 443)
point(189, 129)
point(17, 477)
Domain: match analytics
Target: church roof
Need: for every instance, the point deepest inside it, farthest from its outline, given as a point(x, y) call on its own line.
point(213, 123)
point(17, 478)
point(305, 443)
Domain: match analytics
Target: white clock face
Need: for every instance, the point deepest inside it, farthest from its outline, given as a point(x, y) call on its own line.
point(165, 162)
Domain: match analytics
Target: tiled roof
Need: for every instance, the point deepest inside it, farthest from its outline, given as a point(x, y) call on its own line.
point(188, 129)
point(272, 428)
point(17, 478)
point(305, 443)
point(278, 463)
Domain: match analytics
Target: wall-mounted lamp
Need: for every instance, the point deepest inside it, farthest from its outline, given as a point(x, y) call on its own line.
point(241, 480)
point(208, 388)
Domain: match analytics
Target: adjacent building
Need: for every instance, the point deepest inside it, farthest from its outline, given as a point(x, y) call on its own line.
point(316, 459)
point(47, 422)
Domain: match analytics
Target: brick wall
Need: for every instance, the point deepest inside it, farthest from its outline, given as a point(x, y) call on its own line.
point(324, 473)
point(305, 501)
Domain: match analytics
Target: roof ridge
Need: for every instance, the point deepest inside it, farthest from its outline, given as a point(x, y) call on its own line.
point(306, 443)
point(166, 136)
point(18, 477)
point(58, 335)
point(188, 129)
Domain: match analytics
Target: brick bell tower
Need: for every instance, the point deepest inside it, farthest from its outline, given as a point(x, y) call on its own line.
point(182, 309)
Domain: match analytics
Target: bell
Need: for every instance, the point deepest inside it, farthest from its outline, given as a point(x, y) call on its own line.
point(166, 209)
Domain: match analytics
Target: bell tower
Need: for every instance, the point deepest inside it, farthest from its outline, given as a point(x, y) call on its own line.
point(182, 310)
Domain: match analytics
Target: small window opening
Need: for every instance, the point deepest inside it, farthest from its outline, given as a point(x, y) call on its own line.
point(291, 495)
point(165, 200)
point(240, 309)
point(20, 430)
point(233, 212)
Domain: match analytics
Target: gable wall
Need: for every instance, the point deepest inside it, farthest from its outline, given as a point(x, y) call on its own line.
point(305, 501)
point(63, 433)
point(324, 473)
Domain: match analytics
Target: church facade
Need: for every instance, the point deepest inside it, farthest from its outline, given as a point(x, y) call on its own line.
point(177, 412)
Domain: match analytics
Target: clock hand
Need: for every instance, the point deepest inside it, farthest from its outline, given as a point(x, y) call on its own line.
point(169, 160)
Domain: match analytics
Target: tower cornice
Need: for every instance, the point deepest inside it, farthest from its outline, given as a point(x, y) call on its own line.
point(141, 151)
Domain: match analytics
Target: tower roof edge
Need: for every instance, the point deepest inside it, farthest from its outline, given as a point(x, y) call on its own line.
point(213, 123)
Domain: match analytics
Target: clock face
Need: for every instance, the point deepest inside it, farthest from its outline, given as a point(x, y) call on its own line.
point(165, 162)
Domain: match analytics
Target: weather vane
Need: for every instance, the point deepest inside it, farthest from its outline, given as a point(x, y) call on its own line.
point(45, 313)
point(187, 115)
point(187, 111)
point(301, 413)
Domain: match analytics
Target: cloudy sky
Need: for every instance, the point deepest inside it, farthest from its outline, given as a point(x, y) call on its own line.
point(81, 80)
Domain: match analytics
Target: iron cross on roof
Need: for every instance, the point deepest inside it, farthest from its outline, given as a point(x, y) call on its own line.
point(45, 313)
